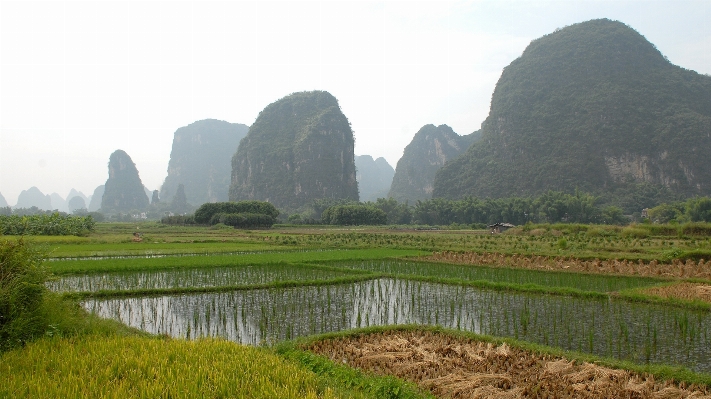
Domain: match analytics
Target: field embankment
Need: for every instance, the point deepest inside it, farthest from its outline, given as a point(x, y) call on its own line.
point(458, 367)
point(675, 269)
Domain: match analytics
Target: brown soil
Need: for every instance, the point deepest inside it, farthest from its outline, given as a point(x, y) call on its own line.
point(455, 367)
point(687, 291)
point(677, 269)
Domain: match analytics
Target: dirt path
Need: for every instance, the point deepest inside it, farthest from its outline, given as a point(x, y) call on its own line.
point(687, 291)
point(454, 367)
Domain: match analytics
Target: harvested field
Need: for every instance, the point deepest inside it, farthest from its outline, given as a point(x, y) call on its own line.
point(677, 269)
point(687, 291)
point(456, 367)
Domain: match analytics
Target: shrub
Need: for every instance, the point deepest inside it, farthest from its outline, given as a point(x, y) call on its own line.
point(246, 220)
point(635, 232)
point(354, 215)
point(22, 290)
point(178, 219)
point(204, 214)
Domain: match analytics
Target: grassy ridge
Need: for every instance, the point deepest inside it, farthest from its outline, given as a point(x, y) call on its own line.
point(112, 265)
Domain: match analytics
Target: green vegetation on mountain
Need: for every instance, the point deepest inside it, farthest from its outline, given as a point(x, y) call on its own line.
point(200, 160)
point(123, 190)
point(595, 107)
point(299, 149)
point(374, 177)
point(428, 151)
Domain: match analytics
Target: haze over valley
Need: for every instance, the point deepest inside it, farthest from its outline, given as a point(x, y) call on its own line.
point(418, 77)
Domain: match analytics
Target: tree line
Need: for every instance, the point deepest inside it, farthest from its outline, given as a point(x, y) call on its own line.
point(551, 207)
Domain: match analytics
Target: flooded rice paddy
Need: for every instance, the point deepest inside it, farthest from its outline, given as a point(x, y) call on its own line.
point(636, 331)
point(185, 278)
point(589, 282)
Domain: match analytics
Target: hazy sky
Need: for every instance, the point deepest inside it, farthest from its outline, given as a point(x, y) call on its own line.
point(79, 80)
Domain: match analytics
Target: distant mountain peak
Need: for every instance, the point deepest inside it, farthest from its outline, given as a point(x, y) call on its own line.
point(430, 148)
point(298, 150)
point(123, 190)
point(200, 160)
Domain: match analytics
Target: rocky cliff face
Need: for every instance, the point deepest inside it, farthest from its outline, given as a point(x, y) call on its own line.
point(595, 107)
point(374, 177)
point(200, 160)
point(299, 149)
point(96, 197)
point(123, 190)
point(428, 151)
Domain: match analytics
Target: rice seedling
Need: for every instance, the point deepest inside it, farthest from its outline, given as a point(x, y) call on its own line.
point(467, 272)
point(211, 261)
point(243, 275)
point(600, 326)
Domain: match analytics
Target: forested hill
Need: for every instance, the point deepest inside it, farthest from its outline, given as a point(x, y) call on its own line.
point(123, 191)
point(299, 149)
point(592, 106)
point(200, 160)
point(428, 151)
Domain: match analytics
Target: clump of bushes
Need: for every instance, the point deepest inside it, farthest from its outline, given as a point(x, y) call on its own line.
point(54, 224)
point(22, 290)
point(242, 214)
point(346, 215)
point(242, 220)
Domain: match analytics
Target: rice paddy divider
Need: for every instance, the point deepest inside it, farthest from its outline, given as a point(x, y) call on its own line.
point(631, 295)
point(167, 263)
point(376, 385)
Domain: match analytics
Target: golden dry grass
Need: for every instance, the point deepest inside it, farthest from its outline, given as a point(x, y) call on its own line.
point(687, 291)
point(455, 367)
point(677, 269)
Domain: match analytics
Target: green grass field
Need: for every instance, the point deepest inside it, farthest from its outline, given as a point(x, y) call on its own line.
point(180, 260)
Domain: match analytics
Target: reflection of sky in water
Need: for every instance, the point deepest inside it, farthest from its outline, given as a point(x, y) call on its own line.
point(609, 328)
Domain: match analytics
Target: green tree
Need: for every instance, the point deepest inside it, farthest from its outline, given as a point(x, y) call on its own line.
point(699, 209)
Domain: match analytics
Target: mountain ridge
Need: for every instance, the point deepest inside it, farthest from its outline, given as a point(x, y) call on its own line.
point(595, 107)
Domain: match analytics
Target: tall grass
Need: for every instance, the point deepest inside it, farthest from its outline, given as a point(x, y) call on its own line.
point(132, 367)
point(22, 293)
